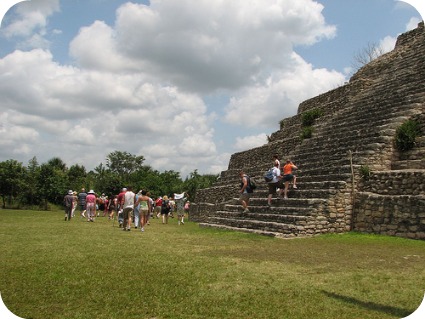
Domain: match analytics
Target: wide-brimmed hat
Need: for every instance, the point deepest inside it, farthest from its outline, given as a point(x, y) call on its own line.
point(91, 191)
point(70, 192)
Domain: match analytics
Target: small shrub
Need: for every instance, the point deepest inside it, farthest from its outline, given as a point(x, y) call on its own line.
point(365, 172)
point(309, 117)
point(406, 135)
point(307, 132)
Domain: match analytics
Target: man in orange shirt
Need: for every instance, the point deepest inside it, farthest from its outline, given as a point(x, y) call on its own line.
point(288, 176)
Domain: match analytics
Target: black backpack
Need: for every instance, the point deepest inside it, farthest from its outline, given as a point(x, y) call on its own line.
point(165, 207)
point(252, 183)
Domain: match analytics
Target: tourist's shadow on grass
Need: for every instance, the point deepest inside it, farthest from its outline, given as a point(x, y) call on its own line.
point(399, 312)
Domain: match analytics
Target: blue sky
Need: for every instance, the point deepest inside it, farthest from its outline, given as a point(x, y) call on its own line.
point(184, 83)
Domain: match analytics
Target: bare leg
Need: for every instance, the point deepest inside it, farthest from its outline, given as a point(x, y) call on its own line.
point(286, 190)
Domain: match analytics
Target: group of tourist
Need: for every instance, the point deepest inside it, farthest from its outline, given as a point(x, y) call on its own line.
point(129, 208)
point(278, 183)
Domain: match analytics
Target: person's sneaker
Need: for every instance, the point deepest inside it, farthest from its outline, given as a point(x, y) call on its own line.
point(182, 223)
point(66, 218)
point(295, 186)
point(142, 229)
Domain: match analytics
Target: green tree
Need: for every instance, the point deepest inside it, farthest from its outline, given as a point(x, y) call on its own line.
point(123, 164)
point(77, 177)
point(53, 182)
point(30, 194)
point(57, 164)
point(148, 179)
point(170, 182)
point(12, 176)
point(196, 181)
point(106, 181)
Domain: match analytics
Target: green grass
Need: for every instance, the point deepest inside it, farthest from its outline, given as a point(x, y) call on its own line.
point(57, 269)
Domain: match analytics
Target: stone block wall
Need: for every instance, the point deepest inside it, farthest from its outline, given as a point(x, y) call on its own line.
point(394, 183)
point(402, 216)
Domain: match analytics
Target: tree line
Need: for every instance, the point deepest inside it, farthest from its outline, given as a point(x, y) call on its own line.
point(40, 185)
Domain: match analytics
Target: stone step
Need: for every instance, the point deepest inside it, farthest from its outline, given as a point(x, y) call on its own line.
point(360, 126)
point(282, 228)
point(413, 154)
point(299, 193)
point(328, 145)
point(332, 169)
point(408, 164)
point(328, 176)
point(290, 203)
point(279, 207)
point(356, 116)
point(248, 230)
point(308, 177)
point(277, 218)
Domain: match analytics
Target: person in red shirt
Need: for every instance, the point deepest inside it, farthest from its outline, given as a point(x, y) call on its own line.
point(158, 205)
point(120, 201)
point(288, 176)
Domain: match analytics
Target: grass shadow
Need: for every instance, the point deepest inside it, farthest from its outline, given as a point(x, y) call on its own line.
point(399, 312)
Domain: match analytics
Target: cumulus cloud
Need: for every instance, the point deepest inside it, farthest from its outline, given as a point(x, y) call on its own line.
point(247, 142)
point(279, 96)
point(30, 23)
point(140, 85)
point(413, 23)
point(91, 109)
point(217, 44)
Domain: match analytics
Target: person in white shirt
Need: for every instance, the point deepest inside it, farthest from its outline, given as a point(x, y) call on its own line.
point(274, 184)
point(129, 199)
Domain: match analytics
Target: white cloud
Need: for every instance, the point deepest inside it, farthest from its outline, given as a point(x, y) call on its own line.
point(387, 44)
point(99, 37)
point(139, 85)
point(248, 142)
point(30, 23)
point(279, 97)
point(80, 111)
point(210, 45)
point(413, 23)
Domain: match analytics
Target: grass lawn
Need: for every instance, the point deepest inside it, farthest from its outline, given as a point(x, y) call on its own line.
point(56, 269)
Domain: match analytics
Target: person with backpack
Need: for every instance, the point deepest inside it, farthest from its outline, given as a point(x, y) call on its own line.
point(245, 191)
point(273, 181)
point(82, 202)
point(165, 209)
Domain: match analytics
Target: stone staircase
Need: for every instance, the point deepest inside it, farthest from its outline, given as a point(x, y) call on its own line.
point(357, 130)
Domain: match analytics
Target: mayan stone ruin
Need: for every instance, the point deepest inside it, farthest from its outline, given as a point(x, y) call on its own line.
point(355, 133)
